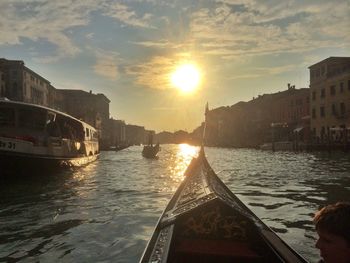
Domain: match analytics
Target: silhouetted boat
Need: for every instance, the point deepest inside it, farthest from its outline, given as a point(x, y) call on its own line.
point(205, 222)
point(33, 136)
point(121, 147)
point(150, 151)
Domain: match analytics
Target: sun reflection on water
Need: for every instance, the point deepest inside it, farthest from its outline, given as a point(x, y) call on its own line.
point(184, 155)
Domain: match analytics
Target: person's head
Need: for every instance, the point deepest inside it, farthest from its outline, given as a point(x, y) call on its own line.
point(332, 224)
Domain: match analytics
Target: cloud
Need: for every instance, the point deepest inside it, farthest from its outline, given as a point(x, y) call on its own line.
point(106, 64)
point(156, 44)
point(128, 16)
point(40, 20)
point(249, 28)
point(51, 22)
point(257, 72)
point(156, 72)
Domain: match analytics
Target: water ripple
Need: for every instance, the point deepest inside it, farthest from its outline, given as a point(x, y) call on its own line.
point(106, 211)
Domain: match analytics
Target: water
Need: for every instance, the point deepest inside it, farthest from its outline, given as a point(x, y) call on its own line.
point(106, 211)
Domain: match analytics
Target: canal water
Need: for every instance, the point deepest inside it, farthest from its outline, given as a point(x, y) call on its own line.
point(106, 211)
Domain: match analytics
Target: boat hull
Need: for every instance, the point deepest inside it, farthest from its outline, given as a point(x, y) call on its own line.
point(150, 151)
point(21, 163)
point(205, 222)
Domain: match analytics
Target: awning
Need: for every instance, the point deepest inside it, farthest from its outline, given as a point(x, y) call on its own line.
point(298, 129)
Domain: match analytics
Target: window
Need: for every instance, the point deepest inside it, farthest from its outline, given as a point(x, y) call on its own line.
point(314, 113)
point(313, 95)
point(37, 96)
point(334, 109)
point(342, 108)
point(32, 118)
point(7, 117)
point(332, 90)
point(341, 87)
point(322, 112)
point(323, 93)
point(87, 133)
point(348, 84)
point(14, 74)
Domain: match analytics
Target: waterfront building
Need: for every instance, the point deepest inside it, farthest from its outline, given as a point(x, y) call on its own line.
point(117, 131)
point(181, 137)
point(23, 84)
point(164, 137)
point(2, 84)
point(268, 117)
point(91, 108)
point(291, 114)
point(149, 137)
point(330, 99)
point(135, 134)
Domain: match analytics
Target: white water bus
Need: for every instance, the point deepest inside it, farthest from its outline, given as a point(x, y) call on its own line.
point(39, 136)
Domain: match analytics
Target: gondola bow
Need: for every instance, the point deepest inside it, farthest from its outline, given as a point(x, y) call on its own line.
point(205, 222)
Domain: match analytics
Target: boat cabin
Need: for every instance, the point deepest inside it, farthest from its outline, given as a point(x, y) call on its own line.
point(46, 131)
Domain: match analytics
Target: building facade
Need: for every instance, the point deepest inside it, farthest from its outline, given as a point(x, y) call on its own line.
point(2, 84)
point(23, 84)
point(330, 98)
point(91, 108)
point(117, 132)
point(135, 135)
point(282, 116)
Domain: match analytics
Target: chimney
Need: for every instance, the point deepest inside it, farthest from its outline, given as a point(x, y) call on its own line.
point(288, 86)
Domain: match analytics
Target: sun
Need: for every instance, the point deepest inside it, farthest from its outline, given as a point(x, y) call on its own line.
point(186, 78)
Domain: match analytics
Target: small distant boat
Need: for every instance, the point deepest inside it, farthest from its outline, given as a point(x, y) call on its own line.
point(33, 136)
point(121, 147)
point(150, 151)
point(205, 222)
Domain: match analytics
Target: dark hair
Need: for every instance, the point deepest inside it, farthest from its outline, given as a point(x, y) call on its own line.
point(334, 219)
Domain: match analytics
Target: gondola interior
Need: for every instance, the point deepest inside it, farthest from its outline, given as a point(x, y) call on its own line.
point(216, 233)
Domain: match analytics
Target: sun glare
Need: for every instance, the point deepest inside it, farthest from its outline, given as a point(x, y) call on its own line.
point(186, 78)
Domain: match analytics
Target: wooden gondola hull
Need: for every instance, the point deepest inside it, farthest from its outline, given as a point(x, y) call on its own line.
point(206, 222)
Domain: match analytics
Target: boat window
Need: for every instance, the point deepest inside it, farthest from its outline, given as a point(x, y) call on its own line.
point(52, 127)
point(70, 128)
point(7, 117)
point(32, 118)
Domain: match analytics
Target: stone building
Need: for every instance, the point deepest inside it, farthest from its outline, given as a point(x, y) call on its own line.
point(330, 98)
point(249, 124)
point(291, 110)
point(2, 84)
point(135, 134)
point(164, 137)
point(117, 132)
point(23, 84)
point(91, 108)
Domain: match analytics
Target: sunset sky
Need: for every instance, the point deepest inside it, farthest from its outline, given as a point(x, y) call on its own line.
point(128, 50)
